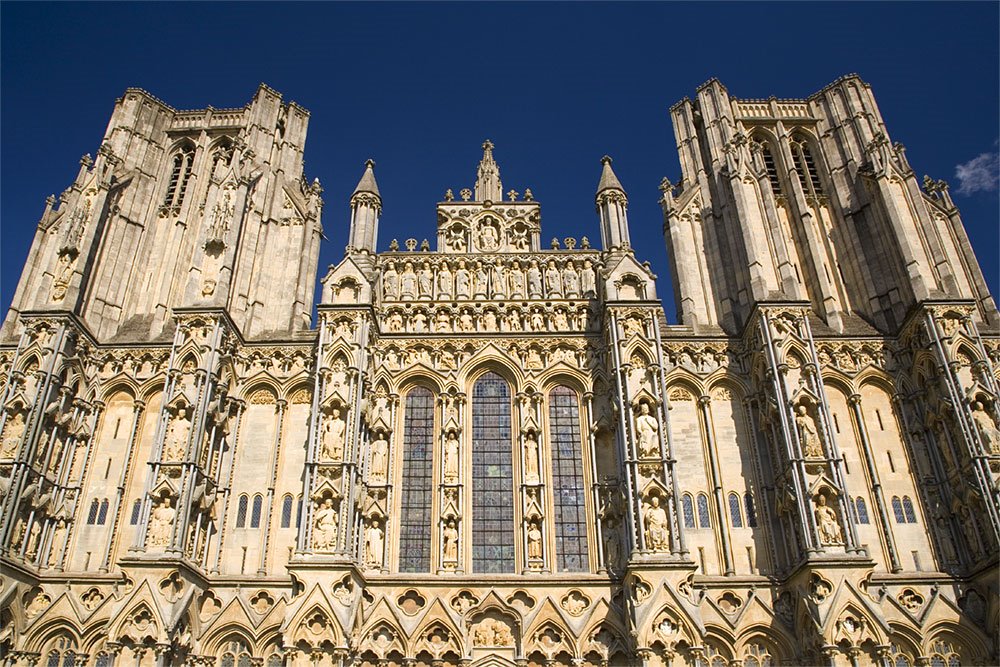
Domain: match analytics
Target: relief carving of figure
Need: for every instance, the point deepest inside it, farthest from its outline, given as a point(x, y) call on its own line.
point(444, 281)
point(530, 458)
point(175, 444)
point(534, 541)
point(553, 281)
point(456, 238)
point(408, 282)
point(425, 281)
point(519, 238)
point(12, 433)
point(462, 281)
point(450, 534)
point(534, 280)
point(647, 433)
point(390, 282)
point(451, 458)
point(987, 428)
point(333, 437)
point(657, 528)
point(373, 545)
point(826, 523)
point(380, 456)
point(488, 237)
point(161, 524)
point(325, 526)
point(812, 445)
point(465, 321)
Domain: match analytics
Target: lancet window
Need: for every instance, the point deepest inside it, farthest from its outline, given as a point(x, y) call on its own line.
point(861, 510)
point(136, 512)
point(241, 511)
point(417, 483)
point(734, 511)
point(751, 510)
point(687, 505)
point(704, 520)
point(255, 513)
point(769, 165)
point(286, 511)
point(492, 477)
point(805, 166)
point(180, 175)
point(567, 481)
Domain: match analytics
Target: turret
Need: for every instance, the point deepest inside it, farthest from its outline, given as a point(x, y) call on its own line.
point(612, 207)
point(366, 206)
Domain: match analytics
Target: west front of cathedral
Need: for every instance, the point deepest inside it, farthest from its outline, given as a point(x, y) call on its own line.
point(489, 449)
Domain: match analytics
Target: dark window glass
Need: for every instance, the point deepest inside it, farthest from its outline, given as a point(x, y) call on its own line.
point(704, 520)
point(298, 512)
point(492, 477)
point(417, 483)
point(862, 510)
point(911, 516)
point(567, 481)
point(751, 511)
point(241, 512)
point(897, 510)
point(136, 511)
point(286, 511)
point(255, 514)
point(688, 506)
point(734, 511)
point(102, 513)
point(53, 659)
point(92, 514)
point(772, 170)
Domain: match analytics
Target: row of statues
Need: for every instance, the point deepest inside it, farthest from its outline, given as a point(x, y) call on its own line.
point(467, 280)
point(514, 319)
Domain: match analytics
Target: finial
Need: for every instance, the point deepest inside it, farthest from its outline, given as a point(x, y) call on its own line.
point(606, 159)
point(449, 195)
point(370, 163)
point(512, 193)
point(487, 145)
point(528, 196)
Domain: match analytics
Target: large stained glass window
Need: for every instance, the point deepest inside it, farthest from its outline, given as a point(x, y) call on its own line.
point(492, 477)
point(567, 481)
point(418, 484)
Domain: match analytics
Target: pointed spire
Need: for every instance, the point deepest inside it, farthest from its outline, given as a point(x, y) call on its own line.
point(488, 185)
point(367, 182)
point(608, 179)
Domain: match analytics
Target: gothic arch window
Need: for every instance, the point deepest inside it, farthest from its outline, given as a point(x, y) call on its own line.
point(750, 509)
point(897, 510)
point(298, 512)
point(236, 655)
point(704, 520)
point(734, 511)
point(492, 477)
point(805, 166)
point(222, 154)
point(769, 164)
point(102, 659)
point(943, 654)
point(911, 516)
point(258, 502)
point(756, 654)
point(92, 514)
point(713, 657)
point(687, 506)
point(417, 482)
point(241, 511)
point(180, 173)
point(102, 512)
point(136, 512)
point(862, 510)
point(286, 511)
point(568, 486)
point(898, 657)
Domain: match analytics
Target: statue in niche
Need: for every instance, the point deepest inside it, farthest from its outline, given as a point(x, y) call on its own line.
point(515, 281)
point(519, 238)
point(559, 321)
point(325, 526)
point(12, 433)
point(492, 632)
point(442, 322)
point(175, 444)
point(612, 547)
point(488, 237)
point(333, 436)
point(533, 360)
point(826, 522)
point(588, 283)
point(450, 535)
point(373, 545)
point(812, 445)
point(497, 287)
point(490, 320)
point(390, 282)
point(395, 322)
point(408, 282)
point(534, 541)
point(647, 433)
point(63, 275)
point(537, 320)
point(570, 280)
point(462, 281)
point(480, 282)
point(553, 280)
point(987, 428)
point(161, 523)
point(425, 281)
point(657, 528)
point(530, 458)
point(451, 458)
point(418, 322)
point(445, 281)
point(534, 280)
point(380, 456)
point(465, 321)
point(513, 321)
point(456, 238)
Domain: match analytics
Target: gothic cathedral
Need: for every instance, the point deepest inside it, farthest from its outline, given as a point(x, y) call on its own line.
point(493, 450)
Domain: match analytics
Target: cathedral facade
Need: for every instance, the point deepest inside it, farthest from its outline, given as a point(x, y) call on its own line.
point(491, 449)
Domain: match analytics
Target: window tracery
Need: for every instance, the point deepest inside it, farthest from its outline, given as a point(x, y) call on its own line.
point(417, 482)
point(180, 174)
point(567, 481)
point(492, 477)
point(805, 166)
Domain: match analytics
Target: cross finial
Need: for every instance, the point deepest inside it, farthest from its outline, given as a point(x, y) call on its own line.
point(487, 145)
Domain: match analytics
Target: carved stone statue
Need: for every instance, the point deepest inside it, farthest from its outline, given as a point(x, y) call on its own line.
point(462, 282)
point(12, 433)
point(553, 281)
point(380, 455)
point(333, 437)
point(161, 524)
point(425, 281)
point(570, 281)
point(647, 433)
point(612, 548)
point(373, 545)
point(515, 281)
point(481, 281)
point(826, 523)
point(444, 282)
point(498, 285)
point(488, 238)
point(987, 428)
point(451, 458)
point(534, 541)
point(325, 526)
point(450, 535)
point(175, 444)
point(657, 528)
point(588, 285)
point(390, 282)
point(530, 458)
point(812, 445)
point(534, 280)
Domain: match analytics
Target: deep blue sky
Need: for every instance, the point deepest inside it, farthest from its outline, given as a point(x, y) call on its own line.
point(555, 86)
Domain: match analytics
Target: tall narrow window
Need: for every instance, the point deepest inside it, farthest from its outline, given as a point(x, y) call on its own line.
point(897, 510)
point(417, 482)
point(772, 170)
point(258, 501)
point(567, 481)
point(492, 477)
point(751, 511)
point(136, 511)
point(704, 520)
point(734, 511)
point(92, 514)
point(286, 511)
point(688, 507)
point(180, 174)
point(862, 509)
point(298, 512)
point(911, 516)
point(805, 167)
point(241, 512)
point(102, 512)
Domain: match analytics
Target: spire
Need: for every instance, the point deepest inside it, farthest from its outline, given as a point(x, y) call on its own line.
point(608, 179)
point(367, 182)
point(488, 185)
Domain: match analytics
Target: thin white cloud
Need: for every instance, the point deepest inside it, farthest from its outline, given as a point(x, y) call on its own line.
point(980, 174)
